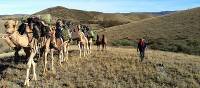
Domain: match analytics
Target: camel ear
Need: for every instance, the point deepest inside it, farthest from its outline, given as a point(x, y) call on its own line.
point(6, 25)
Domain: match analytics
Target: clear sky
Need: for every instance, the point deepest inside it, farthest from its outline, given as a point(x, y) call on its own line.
point(32, 6)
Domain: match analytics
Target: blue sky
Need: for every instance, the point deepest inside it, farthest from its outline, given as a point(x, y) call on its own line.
point(32, 6)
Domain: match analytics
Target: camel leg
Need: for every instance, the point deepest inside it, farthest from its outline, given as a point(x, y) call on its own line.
point(38, 49)
point(45, 60)
point(52, 61)
point(30, 61)
point(83, 48)
point(86, 49)
point(79, 46)
point(34, 74)
point(66, 52)
point(97, 47)
point(103, 46)
point(90, 47)
point(46, 55)
point(61, 57)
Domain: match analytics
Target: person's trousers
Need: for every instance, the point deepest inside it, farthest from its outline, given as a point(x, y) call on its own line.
point(142, 55)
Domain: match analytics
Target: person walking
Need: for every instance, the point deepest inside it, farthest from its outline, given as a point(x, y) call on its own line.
point(141, 48)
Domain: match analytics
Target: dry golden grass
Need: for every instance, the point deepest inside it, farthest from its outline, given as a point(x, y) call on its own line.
point(116, 67)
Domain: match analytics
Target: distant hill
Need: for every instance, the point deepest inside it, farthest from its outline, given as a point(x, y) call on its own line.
point(92, 17)
point(14, 16)
point(157, 13)
point(102, 20)
point(178, 32)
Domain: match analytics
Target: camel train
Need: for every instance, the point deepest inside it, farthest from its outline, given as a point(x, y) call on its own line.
point(38, 43)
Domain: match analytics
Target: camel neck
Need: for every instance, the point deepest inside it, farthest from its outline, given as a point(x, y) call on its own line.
point(14, 37)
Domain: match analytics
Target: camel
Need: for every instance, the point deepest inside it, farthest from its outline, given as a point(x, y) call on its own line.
point(59, 45)
point(89, 44)
point(87, 32)
point(102, 41)
point(82, 41)
point(14, 39)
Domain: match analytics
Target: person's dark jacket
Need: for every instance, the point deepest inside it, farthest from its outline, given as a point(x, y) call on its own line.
point(58, 33)
point(141, 46)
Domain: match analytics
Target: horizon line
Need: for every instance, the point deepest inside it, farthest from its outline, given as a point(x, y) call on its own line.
point(102, 11)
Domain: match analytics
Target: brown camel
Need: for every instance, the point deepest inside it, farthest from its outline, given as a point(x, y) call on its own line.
point(101, 41)
point(14, 39)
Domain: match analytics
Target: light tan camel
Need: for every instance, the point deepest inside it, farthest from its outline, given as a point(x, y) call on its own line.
point(82, 41)
point(14, 39)
point(60, 46)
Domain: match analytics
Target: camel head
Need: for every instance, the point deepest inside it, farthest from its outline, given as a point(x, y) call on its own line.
point(11, 26)
point(53, 37)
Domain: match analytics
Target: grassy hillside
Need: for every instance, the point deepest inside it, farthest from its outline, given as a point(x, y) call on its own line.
point(112, 19)
point(138, 16)
point(116, 67)
point(178, 32)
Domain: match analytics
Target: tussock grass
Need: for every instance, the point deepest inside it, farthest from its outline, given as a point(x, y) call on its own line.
point(117, 67)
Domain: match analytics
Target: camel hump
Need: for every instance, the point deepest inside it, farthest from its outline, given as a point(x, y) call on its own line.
point(23, 40)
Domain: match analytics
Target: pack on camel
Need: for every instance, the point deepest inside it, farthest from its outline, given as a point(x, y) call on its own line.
point(101, 41)
point(14, 39)
point(82, 41)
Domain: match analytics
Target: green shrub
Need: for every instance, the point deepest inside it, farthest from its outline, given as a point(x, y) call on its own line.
point(123, 42)
point(106, 24)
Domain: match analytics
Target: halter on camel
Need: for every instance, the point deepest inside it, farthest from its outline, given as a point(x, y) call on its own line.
point(14, 39)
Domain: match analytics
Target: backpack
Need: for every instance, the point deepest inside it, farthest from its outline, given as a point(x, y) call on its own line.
point(91, 33)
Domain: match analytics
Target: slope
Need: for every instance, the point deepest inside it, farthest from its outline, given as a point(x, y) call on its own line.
point(179, 32)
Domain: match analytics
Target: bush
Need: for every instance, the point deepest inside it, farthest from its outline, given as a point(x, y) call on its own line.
point(123, 42)
point(106, 24)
